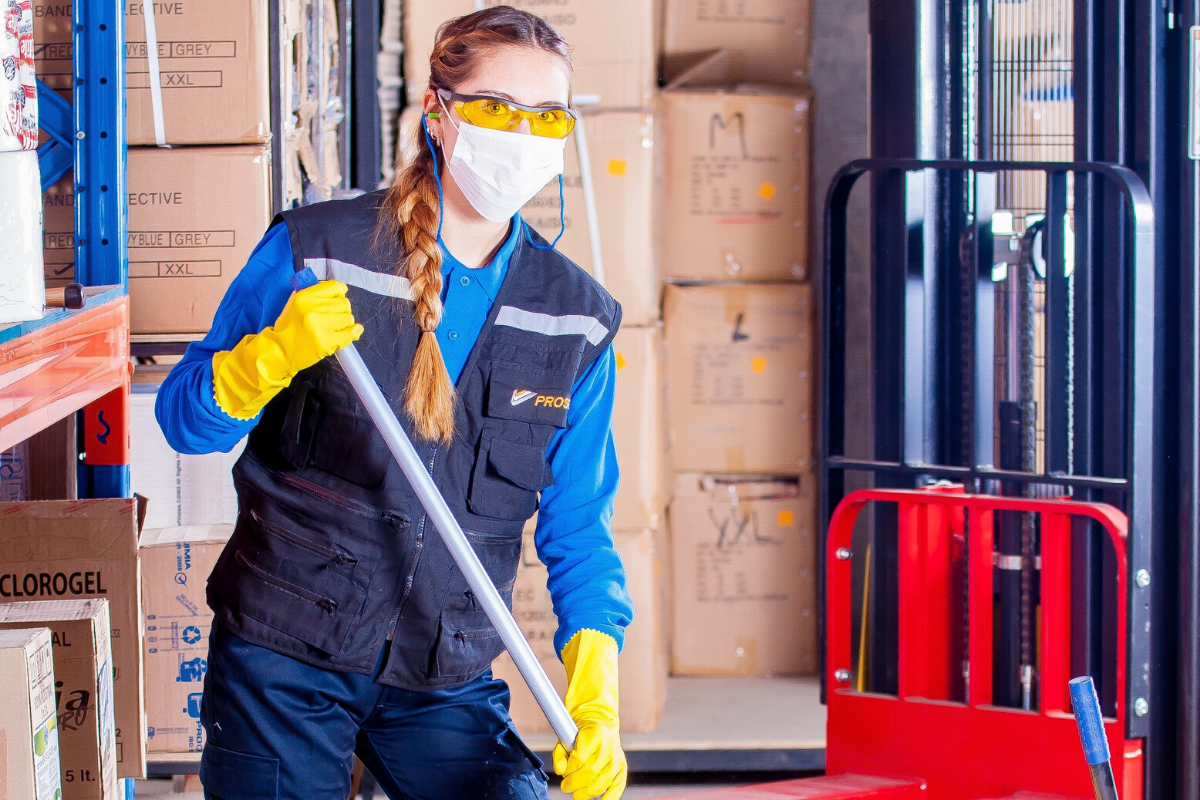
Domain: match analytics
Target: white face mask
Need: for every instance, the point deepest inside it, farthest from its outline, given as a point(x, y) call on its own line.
point(500, 171)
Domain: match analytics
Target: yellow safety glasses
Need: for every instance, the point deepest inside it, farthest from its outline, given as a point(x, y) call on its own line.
point(483, 111)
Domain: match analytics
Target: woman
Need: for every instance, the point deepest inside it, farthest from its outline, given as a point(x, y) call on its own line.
point(342, 626)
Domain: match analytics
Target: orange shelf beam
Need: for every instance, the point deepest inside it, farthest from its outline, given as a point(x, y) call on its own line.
point(58, 369)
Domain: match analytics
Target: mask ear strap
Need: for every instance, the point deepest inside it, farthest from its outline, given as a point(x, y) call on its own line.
point(437, 175)
point(562, 222)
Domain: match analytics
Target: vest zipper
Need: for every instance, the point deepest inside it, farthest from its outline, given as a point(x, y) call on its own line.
point(336, 556)
point(418, 546)
point(327, 604)
point(393, 518)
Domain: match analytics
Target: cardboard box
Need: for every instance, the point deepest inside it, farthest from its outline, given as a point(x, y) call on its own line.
point(769, 40)
point(621, 151)
point(176, 563)
point(639, 429)
point(740, 389)
point(213, 68)
point(83, 672)
point(735, 184)
point(58, 232)
point(28, 725)
point(743, 576)
point(74, 549)
point(195, 215)
point(181, 489)
point(642, 667)
point(612, 44)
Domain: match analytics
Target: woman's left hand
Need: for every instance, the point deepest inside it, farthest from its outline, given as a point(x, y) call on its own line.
point(597, 766)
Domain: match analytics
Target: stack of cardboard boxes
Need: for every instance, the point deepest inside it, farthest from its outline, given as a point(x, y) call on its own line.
point(29, 759)
point(72, 567)
point(129, 626)
point(197, 209)
point(738, 335)
point(82, 690)
point(176, 563)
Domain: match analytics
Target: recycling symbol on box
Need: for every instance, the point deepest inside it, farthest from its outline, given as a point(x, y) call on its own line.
point(191, 634)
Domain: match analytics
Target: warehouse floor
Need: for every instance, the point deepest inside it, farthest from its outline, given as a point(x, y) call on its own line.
point(730, 713)
point(164, 789)
point(700, 714)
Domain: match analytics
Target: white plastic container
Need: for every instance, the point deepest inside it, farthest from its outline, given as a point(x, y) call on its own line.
point(22, 284)
point(18, 87)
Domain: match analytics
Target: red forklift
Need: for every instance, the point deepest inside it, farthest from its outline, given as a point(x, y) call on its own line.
point(1010, 530)
point(941, 736)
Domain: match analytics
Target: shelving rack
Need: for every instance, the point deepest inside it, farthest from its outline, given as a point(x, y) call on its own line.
point(79, 360)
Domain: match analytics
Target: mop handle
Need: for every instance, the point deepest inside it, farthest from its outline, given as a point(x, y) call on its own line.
point(1091, 734)
point(452, 535)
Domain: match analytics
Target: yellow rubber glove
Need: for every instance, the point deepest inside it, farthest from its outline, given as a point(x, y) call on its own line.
point(597, 766)
point(315, 322)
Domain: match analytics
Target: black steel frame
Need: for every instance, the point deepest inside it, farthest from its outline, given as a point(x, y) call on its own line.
point(1180, 213)
point(364, 162)
point(1132, 484)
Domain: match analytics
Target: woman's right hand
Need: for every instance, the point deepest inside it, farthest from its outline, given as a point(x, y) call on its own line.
point(315, 323)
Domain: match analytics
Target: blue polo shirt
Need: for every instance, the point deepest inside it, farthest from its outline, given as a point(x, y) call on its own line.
point(574, 536)
point(471, 293)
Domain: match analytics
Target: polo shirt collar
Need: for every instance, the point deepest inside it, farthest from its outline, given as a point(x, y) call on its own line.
point(490, 276)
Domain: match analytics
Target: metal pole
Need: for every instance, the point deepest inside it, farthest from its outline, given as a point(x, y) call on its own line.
point(589, 199)
point(452, 534)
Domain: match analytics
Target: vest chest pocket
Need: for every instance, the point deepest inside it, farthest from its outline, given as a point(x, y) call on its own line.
point(506, 479)
point(526, 394)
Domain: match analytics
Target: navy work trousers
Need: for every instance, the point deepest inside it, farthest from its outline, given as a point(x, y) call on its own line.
point(280, 728)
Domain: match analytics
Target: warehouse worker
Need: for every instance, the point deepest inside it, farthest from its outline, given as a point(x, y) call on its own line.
point(342, 624)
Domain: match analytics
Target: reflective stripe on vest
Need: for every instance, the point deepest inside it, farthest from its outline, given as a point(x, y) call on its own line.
point(568, 325)
point(379, 283)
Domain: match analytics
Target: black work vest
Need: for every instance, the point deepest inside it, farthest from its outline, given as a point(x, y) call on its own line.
point(332, 553)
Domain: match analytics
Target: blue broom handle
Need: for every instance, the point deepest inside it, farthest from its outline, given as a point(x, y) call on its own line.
point(1090, 722)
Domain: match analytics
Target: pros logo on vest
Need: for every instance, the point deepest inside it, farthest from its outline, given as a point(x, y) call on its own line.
point(47, 584)
point(520, 396)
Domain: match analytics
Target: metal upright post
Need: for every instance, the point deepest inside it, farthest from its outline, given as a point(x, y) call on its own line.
point(894, 73)
point(347, 62)
point(1184, 211)
point(364, 103)
point(101, 215)
point(275, 33)
point(1058, 398)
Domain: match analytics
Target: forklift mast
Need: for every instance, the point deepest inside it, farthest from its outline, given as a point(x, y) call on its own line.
point(1034, 333)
